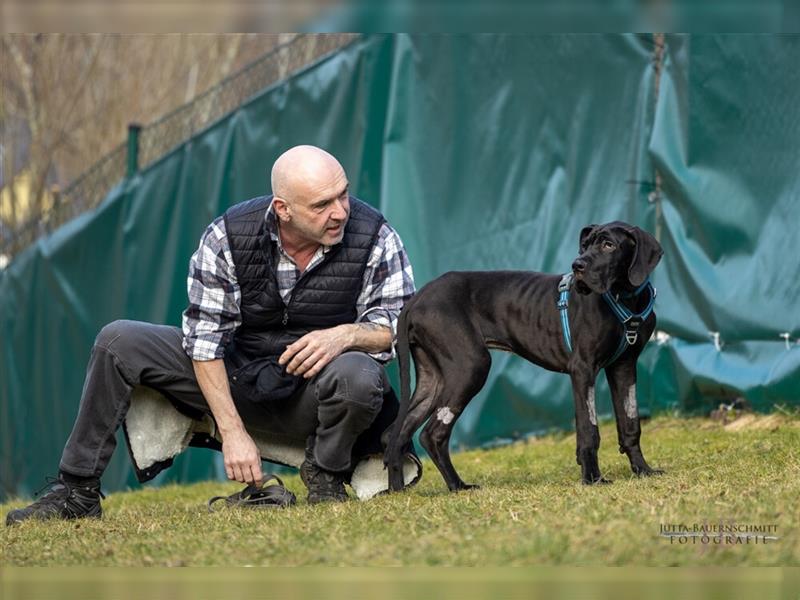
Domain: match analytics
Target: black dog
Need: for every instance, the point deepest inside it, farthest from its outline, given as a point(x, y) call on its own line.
point(451, 324)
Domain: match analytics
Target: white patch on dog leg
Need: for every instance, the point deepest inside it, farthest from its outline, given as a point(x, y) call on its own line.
point(445, 415)
point(590, 406)
point(630, 403)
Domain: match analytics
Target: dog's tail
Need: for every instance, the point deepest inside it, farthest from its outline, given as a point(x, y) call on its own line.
point(392, 457)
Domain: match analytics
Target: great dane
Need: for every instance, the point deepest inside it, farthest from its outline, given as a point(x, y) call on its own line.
point(453, 321)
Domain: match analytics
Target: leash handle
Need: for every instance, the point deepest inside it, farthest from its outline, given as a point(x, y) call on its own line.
point(257, 496)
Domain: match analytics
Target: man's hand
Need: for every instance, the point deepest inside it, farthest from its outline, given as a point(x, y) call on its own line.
point(242, 458)
point(312, 352)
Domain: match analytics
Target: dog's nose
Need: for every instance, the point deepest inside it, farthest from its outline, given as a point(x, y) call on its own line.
point(579, 266)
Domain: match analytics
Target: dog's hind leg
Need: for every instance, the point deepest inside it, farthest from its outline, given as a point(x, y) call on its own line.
point(622, 381)
point(462, 381)
point(420, 408)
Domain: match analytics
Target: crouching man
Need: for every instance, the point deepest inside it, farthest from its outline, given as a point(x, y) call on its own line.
point(293, 299)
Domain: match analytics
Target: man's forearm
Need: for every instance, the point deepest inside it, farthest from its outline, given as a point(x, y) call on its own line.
point(312, 352)
point(368, 337)
point(241, 456)
point(213, 381)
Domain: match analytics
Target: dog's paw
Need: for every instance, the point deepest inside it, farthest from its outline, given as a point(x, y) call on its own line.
point(598, 481)
point(465, 486)
point(646, 471)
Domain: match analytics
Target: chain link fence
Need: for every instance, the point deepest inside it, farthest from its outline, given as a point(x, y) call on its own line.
point(161, 136)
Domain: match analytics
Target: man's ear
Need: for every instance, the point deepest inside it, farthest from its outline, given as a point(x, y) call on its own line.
point(646, 255)
point(281, 209)
point(585, 233)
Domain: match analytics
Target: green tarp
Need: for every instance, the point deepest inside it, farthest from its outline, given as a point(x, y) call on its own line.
point(485, 152)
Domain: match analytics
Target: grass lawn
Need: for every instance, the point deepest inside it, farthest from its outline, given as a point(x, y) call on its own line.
point(531, 509)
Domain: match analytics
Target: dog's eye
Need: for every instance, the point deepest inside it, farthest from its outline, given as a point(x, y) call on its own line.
point(607, 246)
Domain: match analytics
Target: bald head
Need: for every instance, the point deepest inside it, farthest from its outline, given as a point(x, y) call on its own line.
point(311, 198)
point(302, 171)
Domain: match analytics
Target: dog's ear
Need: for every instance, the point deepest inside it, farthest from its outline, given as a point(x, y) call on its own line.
point(646, 255)
point(585, 233)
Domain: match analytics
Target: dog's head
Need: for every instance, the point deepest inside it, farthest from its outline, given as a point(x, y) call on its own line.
point(614, 254)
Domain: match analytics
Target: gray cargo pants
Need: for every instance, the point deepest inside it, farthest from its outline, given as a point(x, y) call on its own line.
point(337, 404)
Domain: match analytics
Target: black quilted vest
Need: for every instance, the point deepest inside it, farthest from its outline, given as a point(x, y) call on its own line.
point(324, 296)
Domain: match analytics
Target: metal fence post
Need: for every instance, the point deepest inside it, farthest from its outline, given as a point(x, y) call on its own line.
point(133, 149)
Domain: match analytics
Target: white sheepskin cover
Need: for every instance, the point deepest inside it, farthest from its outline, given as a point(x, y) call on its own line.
point(157, 432)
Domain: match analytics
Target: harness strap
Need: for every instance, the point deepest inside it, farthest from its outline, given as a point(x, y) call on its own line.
point(631, 321)
point(621, 347)
point(563, 304)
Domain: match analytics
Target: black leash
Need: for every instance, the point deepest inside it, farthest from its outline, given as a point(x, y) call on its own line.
point(257, 496)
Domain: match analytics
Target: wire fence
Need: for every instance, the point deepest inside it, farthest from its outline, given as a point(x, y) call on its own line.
point(161, 136)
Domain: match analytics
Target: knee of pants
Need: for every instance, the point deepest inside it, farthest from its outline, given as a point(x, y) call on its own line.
point(117, 333)
point(354, 377)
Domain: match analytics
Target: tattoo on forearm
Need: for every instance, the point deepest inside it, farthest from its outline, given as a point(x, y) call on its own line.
point(372, 326)
point(368, 340)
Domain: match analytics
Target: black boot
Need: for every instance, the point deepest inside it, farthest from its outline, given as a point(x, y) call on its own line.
point(323, 486)
point(64, 500)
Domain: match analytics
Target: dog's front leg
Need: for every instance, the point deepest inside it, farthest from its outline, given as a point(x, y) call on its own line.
point(622, 382)
point(583, 379)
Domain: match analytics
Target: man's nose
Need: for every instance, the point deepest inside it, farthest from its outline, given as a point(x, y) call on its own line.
point(579, 266)
point(340, 212)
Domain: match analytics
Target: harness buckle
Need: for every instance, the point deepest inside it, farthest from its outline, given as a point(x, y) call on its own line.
point(562, 303)
point(565, 283)
point(632, 330)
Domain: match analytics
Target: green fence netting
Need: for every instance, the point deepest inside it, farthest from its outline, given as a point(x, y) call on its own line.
point(485, 152)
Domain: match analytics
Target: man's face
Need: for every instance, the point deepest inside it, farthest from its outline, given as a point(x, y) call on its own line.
point(319, 214)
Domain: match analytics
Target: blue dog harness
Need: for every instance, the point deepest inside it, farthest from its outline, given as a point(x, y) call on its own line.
point(630, 321)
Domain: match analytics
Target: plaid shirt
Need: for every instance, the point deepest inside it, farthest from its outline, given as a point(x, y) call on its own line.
point(213, 314)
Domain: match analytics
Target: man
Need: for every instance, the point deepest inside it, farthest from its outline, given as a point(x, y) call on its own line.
point(293, 300)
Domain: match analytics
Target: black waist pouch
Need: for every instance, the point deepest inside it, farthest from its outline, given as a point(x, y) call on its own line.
point(261, 380)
